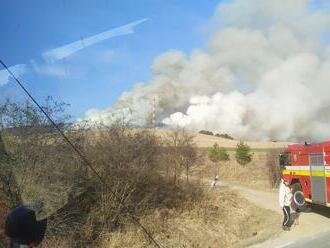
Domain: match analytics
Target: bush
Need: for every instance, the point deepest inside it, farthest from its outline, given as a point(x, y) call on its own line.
point(206, 132)
point(274, 170)
point(129, 162)
point(181, 153)
point(217, 154)
point(225, 136)
point(243, 153)
point(81, 208)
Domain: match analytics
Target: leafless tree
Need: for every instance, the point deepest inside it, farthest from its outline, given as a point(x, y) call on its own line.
point(182, 153)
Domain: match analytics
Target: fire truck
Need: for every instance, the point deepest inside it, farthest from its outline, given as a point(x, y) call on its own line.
point(307, 168)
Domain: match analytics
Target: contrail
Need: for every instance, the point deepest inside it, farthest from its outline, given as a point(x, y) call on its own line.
point(71, 48)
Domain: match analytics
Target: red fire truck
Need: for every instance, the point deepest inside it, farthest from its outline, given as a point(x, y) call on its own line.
point(307, 167)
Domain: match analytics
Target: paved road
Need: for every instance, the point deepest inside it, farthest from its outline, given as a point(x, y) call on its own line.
point(320, 241)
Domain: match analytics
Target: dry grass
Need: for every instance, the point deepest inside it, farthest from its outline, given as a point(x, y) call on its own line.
point(254, 174)
point(4, 209)
point(222, 219)
point(204, 141)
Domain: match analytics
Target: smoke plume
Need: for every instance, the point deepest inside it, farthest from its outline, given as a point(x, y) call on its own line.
point(264, 74)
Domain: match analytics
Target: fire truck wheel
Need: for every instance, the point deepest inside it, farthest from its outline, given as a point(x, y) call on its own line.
point(298, 197)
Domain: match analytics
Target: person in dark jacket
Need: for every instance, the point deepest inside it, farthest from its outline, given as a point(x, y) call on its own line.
point(23, 229)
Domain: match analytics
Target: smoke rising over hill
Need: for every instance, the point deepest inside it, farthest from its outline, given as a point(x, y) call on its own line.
point(264, 74)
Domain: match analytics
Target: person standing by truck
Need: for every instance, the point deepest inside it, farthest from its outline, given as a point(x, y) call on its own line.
point(285, 199)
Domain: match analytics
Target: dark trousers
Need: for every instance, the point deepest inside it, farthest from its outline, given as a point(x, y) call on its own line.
point(287, 216)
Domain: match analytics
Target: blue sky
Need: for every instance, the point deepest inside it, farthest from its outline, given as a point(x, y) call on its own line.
point(94, 77)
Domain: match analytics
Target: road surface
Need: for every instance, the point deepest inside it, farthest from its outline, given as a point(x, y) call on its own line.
point(313, 229)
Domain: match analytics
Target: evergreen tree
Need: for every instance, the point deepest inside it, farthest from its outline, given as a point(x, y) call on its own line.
point(217, 154)
point(243, 153)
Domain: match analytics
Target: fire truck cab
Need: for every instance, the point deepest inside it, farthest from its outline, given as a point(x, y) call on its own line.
point(307, 168)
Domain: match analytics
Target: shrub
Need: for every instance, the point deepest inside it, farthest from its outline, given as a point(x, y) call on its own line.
point(274, 170)
point(206, 132)
point(217, 154)
point(243, 153)
point(81, 208)
point(224, 135)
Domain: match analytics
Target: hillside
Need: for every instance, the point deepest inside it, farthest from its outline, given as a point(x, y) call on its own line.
point(204, 141)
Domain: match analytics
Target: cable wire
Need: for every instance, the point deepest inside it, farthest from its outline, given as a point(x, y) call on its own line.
point(81, 155)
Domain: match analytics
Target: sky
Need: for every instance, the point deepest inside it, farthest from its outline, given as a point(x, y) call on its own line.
point(94, 77)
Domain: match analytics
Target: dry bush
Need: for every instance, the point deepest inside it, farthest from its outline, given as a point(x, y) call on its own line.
point(220, 219)
point(272, 164)
point(224, 135)
point(9, 187)
point(180, 154)
point(37, 157)
point(206, 132)
point(4, 209)
point(81, 207)
point(129, 162)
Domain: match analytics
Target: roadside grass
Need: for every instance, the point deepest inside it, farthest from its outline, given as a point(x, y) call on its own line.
point(221, 219)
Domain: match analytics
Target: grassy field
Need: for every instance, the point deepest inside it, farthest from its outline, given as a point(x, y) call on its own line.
point(205, 141)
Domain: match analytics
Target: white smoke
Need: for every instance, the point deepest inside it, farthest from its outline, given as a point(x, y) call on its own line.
point(264, 74)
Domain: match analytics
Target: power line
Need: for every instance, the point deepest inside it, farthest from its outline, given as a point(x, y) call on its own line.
point(83, 158)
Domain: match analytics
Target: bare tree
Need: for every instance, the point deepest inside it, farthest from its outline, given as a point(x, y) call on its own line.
point(182, 152)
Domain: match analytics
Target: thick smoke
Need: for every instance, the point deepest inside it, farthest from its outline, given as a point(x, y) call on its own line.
point(264, 74)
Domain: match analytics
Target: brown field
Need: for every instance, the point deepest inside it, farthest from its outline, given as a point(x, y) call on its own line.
point(205, 141)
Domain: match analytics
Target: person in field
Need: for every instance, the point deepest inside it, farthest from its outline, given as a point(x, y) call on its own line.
point(285, 201)
point(214, 182)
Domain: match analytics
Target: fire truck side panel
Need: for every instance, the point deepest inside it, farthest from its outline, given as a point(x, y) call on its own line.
point(310, 166)
point(318, 176)
point(327, 154)
point(305, 182)
point(298, 155)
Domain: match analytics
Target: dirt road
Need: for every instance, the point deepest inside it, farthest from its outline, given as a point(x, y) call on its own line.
point(313, 227)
